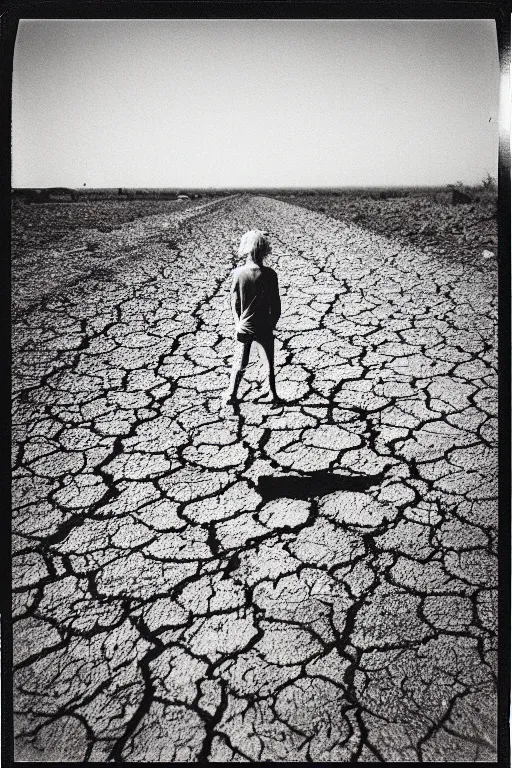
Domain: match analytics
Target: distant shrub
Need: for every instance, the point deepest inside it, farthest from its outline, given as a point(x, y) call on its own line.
point(459, 187)
point(489, 183)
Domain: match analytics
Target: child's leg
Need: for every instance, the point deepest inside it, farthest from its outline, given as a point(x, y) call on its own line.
point(263, 375)
point(240, 359)
point(266, 352)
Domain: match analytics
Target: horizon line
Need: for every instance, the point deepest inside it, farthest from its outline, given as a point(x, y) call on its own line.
point(253, 188)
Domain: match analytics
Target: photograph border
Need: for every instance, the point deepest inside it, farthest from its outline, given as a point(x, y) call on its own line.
point(13, 11)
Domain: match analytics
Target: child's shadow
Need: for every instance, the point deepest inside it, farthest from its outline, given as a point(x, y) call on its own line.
point(315, 484)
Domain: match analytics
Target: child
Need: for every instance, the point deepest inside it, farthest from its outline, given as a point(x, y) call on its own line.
point(256, 308)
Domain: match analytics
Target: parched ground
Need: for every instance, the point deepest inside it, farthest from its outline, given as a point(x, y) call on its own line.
point(425, 218)
point(176, 597)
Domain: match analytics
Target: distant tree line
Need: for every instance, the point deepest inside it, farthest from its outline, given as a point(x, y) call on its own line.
point(66, 194)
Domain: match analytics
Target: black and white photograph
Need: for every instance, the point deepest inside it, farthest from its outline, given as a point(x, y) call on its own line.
point(254, 323)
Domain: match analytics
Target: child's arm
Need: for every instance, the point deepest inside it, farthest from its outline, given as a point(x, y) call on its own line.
point(235, 300)
point(275, 302)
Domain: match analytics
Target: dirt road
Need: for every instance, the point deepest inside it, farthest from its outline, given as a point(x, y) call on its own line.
point(178, 600)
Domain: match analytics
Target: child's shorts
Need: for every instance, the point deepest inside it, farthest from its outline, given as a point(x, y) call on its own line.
point(245, 338)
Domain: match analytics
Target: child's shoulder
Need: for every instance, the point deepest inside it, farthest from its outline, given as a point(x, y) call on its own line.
point(245, 269)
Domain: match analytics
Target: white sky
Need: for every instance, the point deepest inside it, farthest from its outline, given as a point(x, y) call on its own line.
point(249, 103)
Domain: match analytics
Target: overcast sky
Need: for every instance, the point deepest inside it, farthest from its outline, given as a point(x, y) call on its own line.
point(277, 102)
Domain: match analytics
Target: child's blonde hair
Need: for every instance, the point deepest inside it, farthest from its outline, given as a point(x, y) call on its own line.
point(254, 243)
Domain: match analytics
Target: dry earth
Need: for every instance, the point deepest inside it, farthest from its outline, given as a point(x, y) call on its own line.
point(424, 218)
point(174, 600)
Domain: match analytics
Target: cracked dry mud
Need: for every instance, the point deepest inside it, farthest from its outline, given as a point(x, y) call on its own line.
point(165, 610)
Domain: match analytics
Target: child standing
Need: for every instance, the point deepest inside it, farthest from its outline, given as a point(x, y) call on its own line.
point(256, 308)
